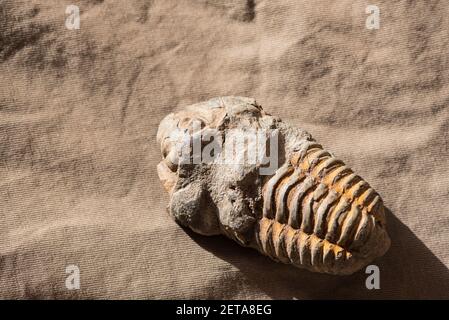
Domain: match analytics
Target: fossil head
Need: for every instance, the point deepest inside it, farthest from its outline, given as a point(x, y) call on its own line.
point(199, 120)
point(205, 197)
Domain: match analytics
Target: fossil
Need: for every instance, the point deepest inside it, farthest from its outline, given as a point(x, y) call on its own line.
point(312, 211)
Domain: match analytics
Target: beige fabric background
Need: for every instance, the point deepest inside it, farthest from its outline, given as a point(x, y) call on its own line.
point(79, 111)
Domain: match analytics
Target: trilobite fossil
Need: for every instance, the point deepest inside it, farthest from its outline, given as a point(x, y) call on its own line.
point(312, 211)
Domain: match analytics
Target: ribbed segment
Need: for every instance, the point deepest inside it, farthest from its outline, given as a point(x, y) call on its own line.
point(316, 211)
point(283, 243)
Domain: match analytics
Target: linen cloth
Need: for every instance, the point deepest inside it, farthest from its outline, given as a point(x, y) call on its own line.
point(79, 110)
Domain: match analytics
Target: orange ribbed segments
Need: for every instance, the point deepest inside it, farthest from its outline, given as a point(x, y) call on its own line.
point(319, 215)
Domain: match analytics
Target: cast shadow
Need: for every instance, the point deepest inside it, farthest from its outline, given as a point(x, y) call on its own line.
point(409, 270)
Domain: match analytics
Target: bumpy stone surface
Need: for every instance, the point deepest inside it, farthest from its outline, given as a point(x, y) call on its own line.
point(314, 212)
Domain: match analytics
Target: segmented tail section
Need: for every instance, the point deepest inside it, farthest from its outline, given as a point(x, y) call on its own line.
point(317, 213)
